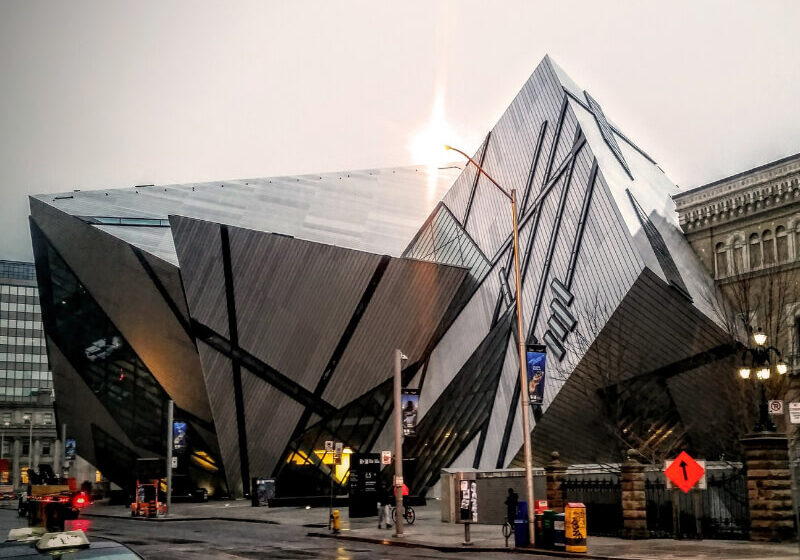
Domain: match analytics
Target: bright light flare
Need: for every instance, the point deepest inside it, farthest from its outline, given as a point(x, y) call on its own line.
point(427, 143)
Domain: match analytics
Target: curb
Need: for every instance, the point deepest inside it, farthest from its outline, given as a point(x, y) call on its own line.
point(180, 519)
point(450, 548)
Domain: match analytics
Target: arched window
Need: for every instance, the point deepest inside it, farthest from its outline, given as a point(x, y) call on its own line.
point(797, 241)
point(755, 252)
point(721, 260)
point(769, 247)
point(781, 244)
point(738, 255)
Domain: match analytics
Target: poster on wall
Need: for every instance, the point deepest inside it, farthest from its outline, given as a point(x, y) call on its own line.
point(69, 449)
point(179, 436)
point(409, 403)
point(536, 356)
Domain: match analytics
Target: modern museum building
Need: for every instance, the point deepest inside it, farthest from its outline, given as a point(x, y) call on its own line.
point(269, 311)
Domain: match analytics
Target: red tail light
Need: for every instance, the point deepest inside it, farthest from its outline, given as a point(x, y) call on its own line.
point(80, 501)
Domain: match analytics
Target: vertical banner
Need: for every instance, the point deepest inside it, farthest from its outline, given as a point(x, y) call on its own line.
point(179, 436)
point(409, 402)
point(69, 449)
point(536, 356)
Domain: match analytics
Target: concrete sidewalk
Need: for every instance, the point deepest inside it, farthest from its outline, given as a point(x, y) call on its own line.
point(429, 532)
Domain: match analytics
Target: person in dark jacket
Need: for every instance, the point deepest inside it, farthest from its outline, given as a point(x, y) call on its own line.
point(511, 505)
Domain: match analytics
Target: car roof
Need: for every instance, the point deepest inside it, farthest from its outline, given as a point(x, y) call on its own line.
point(98, 548)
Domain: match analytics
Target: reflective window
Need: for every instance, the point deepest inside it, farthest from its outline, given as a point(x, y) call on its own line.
point(101, 356)
point(755, 251)
point(443, 240)
point(769, 247)
point(738, 255)
point(782, 244)
point(722, 260)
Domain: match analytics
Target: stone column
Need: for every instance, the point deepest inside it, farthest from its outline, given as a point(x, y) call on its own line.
point(15, 474)
point(769, 486)
point(555, 473)
point(37, 453)
point(634, 504)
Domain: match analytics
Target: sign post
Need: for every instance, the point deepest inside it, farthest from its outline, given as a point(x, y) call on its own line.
point(467, 502)
point(685, 472)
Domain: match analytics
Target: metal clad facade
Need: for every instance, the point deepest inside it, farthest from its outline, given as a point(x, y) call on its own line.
point(294, 299)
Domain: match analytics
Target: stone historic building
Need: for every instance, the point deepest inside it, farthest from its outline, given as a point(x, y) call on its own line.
point(746, 231)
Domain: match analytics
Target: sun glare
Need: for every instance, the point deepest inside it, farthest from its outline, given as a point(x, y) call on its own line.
point(427, 144)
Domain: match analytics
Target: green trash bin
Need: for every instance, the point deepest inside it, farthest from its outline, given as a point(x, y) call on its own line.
point(548, 528)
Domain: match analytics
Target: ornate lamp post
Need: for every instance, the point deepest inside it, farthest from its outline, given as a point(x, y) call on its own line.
point(761, 359)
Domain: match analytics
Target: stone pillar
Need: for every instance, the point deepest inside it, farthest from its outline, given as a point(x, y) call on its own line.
point(634, 504)
point(15, 474)
point(37, 453)
point(769, 486)
point(555, 473)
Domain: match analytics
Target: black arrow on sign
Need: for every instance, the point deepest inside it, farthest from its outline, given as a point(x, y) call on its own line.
point(683, 466)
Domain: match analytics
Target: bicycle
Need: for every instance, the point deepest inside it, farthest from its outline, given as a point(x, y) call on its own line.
point(410, 516)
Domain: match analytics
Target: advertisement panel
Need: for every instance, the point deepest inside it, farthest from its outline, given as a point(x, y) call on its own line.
point(69, 449)
point(409, 404)
point(179, 436)
point(536, 356)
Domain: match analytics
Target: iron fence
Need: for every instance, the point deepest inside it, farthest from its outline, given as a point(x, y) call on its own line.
point(720, 512)
point(602, 497)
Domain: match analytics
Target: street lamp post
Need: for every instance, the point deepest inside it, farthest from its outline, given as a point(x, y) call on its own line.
point(761, 360)
point(526, 433)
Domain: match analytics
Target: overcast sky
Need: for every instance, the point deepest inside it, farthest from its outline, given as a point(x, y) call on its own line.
point(99, 94)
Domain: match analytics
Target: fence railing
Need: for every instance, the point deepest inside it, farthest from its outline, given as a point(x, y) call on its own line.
point(719, 512)
point(602, 497)
point(721, 509)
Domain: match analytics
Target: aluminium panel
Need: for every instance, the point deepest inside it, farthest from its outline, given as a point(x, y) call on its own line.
point(113, 275)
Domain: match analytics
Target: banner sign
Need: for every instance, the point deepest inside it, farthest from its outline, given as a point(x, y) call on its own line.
point(536, 356)
point(409, 403)
point(179, 436)
point(69, 448)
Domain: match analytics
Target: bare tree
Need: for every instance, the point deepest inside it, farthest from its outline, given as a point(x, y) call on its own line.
point(637, 409)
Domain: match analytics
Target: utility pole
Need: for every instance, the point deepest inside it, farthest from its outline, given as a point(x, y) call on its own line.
point(63, 459)
point(398, 444)
point(169, 456)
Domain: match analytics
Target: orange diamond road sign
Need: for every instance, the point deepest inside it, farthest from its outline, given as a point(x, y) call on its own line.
point(684, 472)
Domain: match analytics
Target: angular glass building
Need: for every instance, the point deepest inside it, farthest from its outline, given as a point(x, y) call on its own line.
point(269, 310)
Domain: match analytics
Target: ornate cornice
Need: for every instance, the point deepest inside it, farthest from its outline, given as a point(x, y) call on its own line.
point(753, 192)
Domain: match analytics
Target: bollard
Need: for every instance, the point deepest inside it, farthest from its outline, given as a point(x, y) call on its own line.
point(467, 541)
point(575, 527)
point(335, 521)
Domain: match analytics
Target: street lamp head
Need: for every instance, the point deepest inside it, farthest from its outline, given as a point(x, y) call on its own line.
point(760, 337)
point(744, 372)
point(448, 147)
point(782, 367)
point(763, 373)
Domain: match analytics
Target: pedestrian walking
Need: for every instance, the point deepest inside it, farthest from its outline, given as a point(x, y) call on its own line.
point(384, 507)
point(511, 505)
